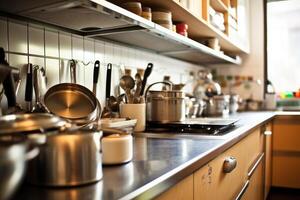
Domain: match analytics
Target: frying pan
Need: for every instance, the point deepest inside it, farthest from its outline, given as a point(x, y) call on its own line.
point(72, 101)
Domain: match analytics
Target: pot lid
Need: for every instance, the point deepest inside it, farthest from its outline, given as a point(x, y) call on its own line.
point(30, 122)
point(167, 93)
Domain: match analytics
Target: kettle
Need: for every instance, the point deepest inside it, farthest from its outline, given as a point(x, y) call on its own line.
point(206, 87)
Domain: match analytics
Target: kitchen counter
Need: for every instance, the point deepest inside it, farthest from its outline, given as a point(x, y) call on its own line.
point(159, 162)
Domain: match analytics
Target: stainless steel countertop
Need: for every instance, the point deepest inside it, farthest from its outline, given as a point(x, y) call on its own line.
point(159, 162)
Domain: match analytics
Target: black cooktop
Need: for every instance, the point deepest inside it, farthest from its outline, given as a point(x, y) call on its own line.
point(203, 126)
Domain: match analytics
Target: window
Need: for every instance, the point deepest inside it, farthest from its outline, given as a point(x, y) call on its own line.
point(283, 48)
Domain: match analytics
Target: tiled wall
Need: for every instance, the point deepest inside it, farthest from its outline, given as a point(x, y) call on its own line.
point(52, 49)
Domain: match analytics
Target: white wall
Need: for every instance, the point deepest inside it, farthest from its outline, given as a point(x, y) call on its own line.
point(52, 49)
point(253, 64)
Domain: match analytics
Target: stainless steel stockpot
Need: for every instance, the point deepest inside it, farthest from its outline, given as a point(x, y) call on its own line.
point(217, 106)
point(68, 158)
point(14, 154)
point(165, 106)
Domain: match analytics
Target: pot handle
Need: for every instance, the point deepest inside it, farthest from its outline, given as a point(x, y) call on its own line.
point(162, 82)
point(31, 154)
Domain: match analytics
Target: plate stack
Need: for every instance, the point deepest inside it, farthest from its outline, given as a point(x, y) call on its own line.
point(163, 18)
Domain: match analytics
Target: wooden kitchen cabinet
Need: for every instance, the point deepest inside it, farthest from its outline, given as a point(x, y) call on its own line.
point(181, 191)
point(268, 157)
point(211, 182)
point(286, 152)
point(255, 188)
point(246, 181)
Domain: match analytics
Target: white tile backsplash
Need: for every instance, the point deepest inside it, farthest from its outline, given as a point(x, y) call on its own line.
point(53, 49)
point(51, 44)
point(65, 47)
point(52, 71)
point(3, 34)
point(17, 38)
point(36, 41)
point(77, 47)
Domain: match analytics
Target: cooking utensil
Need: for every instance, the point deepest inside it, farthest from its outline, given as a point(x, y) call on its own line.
point(43, 81)
point(39, 106)
point(165, 106)
point(146, 75)
point(7, 74)
point(28, 88)
point(14, 154)
point(217, 106)
point(95, 76)
point(113, 104)
point(72, 101)
point(233, 103)
point(33, 122)
point(9, 91)
point(127, 84)
point(69, 158)
point(138, 82)
point(106, 110)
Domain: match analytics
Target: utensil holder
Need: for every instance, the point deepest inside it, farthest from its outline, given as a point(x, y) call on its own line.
point(135, 111)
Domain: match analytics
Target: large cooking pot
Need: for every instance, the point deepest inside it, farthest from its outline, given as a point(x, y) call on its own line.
point(165, 106)
point(73, 101)
point(14, 154)
point(68, 158)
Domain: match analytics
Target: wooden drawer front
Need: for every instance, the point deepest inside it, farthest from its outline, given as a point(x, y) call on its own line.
point(181, 191)
point(286, 135)
point(286, 171)
point(210, 182)
point(255, 190)
point(253, 146)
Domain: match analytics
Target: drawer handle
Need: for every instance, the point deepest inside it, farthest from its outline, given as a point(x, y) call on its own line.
point(255, 165)
point(242, 192)
point(229, 164)
point(268, 133)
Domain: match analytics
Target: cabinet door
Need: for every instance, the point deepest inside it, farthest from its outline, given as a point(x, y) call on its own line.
point(286, 152)
point(211, 182)
point(181, 191)
point(255, 190)
point(268, 158)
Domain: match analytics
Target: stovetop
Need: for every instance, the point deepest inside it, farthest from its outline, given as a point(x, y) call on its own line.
point(201, 126)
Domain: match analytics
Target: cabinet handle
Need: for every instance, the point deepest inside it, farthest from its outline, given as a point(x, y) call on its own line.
point(267, 133)
point(242, 192)
point(229, 164)
point(256, 164)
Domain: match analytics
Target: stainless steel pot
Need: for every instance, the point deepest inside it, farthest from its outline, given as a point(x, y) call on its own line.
point(165, 106)
point(14, 154)
point(68, 158)
point(68, 155)
point(217, 106)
